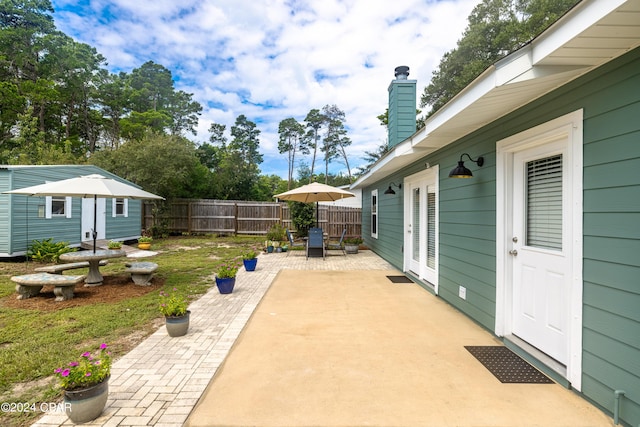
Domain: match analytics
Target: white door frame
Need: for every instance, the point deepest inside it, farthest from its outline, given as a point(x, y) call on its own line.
point(570, 127)
point(429, 176)
point(87, 219)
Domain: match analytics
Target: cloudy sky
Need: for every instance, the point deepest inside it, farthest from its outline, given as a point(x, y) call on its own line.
point(274, 59)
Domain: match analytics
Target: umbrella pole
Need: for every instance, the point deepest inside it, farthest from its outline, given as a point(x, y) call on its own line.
point(95, 221)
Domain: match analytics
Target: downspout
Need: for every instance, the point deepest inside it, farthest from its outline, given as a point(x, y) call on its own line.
point(616, 405)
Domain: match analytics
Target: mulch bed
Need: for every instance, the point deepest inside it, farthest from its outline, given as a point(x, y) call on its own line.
point(113, 289)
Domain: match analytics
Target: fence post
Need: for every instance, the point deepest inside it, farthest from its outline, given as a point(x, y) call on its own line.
point(235, 218)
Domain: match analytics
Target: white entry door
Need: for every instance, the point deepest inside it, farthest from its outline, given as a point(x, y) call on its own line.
point(539, 241)
point(87, 219)
point(541, 248)
point(421, 225)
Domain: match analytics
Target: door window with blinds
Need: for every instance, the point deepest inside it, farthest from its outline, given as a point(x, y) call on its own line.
point(431, 227)
point(374, 214)
point(544, 203)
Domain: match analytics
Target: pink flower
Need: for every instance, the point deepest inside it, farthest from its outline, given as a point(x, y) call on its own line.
point(88, 374)
point(86, 354)
point(103, 346)
point(65, 373)
point(73, 364)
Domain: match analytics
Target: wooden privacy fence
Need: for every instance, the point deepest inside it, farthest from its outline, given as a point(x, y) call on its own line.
point(204, 216)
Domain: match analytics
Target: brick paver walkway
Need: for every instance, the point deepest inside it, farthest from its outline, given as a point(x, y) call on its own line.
point(160, 381)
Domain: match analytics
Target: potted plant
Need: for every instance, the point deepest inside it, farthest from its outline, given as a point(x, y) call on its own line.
point(250, 259)
point(114, 245)
point(352, 244)
point(173, 306)
point(144, 242)
point(86, 385)
point(275, 235)
point(226, 276)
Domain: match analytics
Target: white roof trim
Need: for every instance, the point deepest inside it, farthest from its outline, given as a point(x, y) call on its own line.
point(591, 34)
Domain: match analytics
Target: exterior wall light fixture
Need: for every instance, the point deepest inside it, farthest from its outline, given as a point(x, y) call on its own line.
point(390, 190)
point(461, 171)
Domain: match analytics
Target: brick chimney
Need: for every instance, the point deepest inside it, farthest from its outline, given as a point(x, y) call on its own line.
point(402, 107)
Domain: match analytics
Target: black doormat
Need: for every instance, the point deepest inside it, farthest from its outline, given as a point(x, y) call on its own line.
point(507, 366)
point(399, 279)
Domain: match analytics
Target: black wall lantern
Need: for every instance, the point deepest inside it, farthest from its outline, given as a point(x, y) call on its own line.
point(390, 190)
point(461, 171)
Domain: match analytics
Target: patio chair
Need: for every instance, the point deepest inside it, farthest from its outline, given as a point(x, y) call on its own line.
point(315, 243)
point(339, 246)
point(293, 243)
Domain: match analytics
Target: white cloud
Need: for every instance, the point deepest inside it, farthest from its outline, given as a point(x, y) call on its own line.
point(274, 59)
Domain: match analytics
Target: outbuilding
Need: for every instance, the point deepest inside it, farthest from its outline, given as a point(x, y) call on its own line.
point(69, 219)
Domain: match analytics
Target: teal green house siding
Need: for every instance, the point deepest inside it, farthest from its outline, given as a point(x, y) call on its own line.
point(402, 110)
point(610, 99)
point(21, 221)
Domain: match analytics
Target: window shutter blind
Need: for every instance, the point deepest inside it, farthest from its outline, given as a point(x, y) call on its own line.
point(544, 203)
point(431, 228)
point(416, 225)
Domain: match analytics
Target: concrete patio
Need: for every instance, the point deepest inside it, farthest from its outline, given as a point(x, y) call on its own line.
point(168, 381)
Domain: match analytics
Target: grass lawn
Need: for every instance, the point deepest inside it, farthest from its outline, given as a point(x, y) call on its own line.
point(35, 340)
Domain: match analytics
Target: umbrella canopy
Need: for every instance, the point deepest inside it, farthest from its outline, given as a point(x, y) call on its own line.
point(87, 186)
point(315, 192)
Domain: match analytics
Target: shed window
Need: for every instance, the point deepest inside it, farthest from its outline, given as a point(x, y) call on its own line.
point(119, 207)
point(57, 207)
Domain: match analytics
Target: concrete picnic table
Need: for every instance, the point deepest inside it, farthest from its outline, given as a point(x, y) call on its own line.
point(94, 278)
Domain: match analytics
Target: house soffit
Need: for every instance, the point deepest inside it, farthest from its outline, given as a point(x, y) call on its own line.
point(590, 35)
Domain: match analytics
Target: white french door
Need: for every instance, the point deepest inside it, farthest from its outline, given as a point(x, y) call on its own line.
point(421, 225)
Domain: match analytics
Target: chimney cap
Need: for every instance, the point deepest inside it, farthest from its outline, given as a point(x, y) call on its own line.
point(402, 72)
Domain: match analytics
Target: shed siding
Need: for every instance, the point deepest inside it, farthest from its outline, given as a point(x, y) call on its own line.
point(124, 227)
point(5, 207)
point(19, 221)
point(611, 318)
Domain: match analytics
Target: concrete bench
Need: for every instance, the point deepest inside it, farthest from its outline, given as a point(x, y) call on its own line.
point(141, 272)
point(29, 285)
point(59, 268)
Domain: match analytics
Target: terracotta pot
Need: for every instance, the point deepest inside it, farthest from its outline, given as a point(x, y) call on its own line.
point(86, 404)
point(177, 326)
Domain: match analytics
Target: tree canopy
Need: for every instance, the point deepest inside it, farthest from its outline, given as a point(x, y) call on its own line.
point(495, 29)
point(59, 104)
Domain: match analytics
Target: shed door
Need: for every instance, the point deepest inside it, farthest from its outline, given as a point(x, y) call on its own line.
point(87, 219)
point(540, 240)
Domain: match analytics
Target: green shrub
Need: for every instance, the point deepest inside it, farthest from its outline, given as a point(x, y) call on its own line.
point(276, 233)
point(302, 216)
point(47, 250)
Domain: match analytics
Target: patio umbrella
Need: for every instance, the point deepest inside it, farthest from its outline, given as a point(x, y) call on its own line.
point(87, 186)
point(315, 192)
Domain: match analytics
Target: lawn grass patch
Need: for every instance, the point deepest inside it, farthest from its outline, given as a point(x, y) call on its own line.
point(35, 342)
